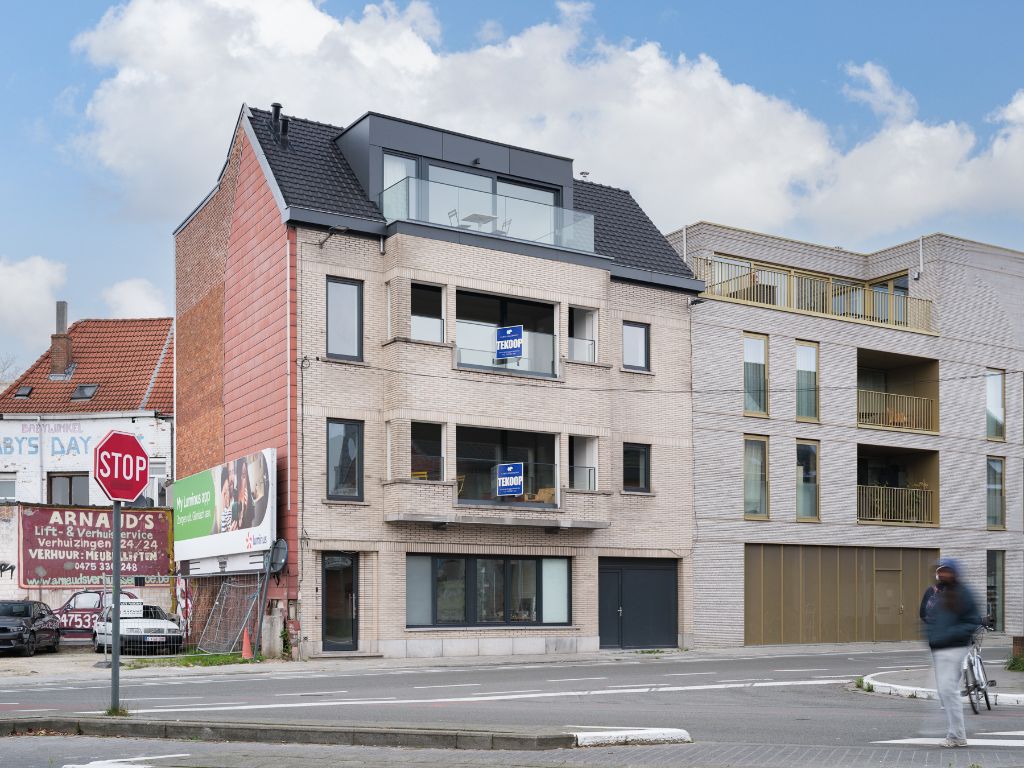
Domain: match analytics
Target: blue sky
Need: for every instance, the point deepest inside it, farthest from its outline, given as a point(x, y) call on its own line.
point(796, 110)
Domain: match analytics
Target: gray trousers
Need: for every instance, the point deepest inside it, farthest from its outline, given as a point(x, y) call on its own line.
point(948, 667)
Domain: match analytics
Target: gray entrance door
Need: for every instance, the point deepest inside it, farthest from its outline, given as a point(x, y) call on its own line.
point(341, 600)
point(637, 604)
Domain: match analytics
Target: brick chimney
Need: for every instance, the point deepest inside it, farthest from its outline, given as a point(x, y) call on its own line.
point(60, 342)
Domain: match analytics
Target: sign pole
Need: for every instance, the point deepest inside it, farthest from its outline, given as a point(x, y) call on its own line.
point(115, 616)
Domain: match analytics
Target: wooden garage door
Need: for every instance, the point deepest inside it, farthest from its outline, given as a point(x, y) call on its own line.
point(806, 594)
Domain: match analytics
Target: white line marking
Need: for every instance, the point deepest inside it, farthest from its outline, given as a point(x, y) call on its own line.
point(1003, 733)
point(574, 679)
point(35, 710)
point(970, 742)
point(745, 680)
point(161, 698)
point(687, 674)
point(311, 693)
point(147, 757)
point(454, 685)
point(638, 685)
point(826, 677)
point(809, 669)
point(908, 666)
point(210, 704)
point(9, 703)
point(494, 693)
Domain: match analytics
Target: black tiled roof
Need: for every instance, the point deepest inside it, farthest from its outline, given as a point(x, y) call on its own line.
point(623, 231)
point(311, 172)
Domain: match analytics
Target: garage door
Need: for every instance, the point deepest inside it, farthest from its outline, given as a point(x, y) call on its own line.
point(637, 604)
point(804, 594)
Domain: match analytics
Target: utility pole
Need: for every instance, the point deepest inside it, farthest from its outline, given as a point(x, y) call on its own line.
point(115, 617)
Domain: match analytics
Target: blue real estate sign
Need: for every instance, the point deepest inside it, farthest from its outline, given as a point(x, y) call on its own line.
point(510, 479)
point(508, 342)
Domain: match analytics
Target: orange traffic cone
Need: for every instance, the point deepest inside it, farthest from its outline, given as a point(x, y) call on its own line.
point(246, 645)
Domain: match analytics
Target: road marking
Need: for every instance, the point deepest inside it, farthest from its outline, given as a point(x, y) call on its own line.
point(311, 693)
point(908, 666)
point(574, 679)
point(494, 693)
point(161, 698)
point(453, 685)
point(687, 674)
point(209, 704)
point(482, 697)
point(1003, 733)
point(638, 685)
point(826, 677)
point(745, 680)
point(35, 710)
point(809, 669)
point(124, 762)
point(970, 742)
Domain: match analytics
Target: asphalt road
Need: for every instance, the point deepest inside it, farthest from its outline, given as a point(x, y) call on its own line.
point(784, 709)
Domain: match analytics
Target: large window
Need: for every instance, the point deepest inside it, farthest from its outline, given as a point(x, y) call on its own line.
point(427, 319)
point(636, 346)
point(636, 468)
point(994, 588)
point(70, 489)
point(480, 315)
point(582, 463)
point(344, 319)
point(481, 451)
point(995, 404)
point(426, 461)
point(807, 381)
point(7, 486)
point(996, 493)
point(807, 480)
point(755, 476)
point(345, 460)
point(455, 590)
point(755, 374)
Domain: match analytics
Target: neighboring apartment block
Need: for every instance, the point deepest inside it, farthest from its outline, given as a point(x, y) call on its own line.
point(854, 415)
point(476, 371)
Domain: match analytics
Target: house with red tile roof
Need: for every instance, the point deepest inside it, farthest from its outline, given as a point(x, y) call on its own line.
point(97, 375)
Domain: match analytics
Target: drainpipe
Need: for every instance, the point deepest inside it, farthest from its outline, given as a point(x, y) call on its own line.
point(42, 475)
point(920, 255)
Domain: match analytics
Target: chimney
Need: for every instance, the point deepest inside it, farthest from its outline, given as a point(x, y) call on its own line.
point(60, 342)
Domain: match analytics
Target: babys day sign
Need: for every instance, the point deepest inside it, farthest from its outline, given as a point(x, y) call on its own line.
point(227, 509)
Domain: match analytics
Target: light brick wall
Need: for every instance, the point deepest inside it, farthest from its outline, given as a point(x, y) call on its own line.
point(978, 295)
point(401, 381)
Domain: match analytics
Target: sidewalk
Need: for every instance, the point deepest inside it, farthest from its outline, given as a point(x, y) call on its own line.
point(919, 683)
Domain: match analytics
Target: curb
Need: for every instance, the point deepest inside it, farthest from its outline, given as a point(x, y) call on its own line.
point(360, 736)
point(913, 692)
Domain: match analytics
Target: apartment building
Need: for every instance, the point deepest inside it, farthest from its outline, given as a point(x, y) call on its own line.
point(475, 368)
point(855, 415)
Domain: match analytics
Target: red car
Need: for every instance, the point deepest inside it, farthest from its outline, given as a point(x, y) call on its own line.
point(78, 615)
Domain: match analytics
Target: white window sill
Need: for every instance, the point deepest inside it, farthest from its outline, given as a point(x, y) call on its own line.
point(637, 493)
point(638, 371)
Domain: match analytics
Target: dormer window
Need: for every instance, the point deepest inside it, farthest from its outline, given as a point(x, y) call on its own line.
point(23, 392)
point(84, 391)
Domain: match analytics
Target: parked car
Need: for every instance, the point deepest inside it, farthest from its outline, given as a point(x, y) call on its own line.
point(26, 625)
point(154, 631)
point(78, 615)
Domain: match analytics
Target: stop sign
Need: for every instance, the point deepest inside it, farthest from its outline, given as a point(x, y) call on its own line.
point(120, 466)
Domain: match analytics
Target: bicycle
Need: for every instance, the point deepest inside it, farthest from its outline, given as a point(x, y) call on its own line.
point(975, 679)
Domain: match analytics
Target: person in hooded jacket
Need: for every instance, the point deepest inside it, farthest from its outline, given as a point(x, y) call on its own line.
point(950, 615)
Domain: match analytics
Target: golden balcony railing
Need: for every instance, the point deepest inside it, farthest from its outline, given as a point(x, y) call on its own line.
point(887, 409)
point(815, 294)
point(896, 506)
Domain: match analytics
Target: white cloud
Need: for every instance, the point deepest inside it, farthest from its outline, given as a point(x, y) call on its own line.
point(28, 296)
point(136, 297)
point(689, 142)
point(490, 32)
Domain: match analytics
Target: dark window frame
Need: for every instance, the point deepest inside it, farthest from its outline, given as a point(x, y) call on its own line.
point(362, 460)
point(471, 593)
point(358, 357)
point(85, 391)
point(23, 392)
point(51, 476)
point(646, 487)
point(647, 346)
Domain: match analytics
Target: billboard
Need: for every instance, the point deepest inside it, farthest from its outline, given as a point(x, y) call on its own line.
point(70, 546)
point(226, 510)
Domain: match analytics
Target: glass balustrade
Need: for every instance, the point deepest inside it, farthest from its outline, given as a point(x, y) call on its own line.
point(477, 483)
point(476, 348)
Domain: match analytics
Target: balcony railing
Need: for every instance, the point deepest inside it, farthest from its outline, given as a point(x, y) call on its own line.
point(488, 213)
point(887, 409)
point(477, 483)
point(427, 328)
point(584, 350)
point(426, 467)
point(803, 292)
point(475, 348)
point(898, 506)
point(583, 478)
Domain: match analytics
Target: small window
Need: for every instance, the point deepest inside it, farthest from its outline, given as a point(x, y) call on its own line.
point(636, 468)
point(583, 463)
point(807, 480)
point(8, 483)
point(68, 490)
point(995, 593)
point(755, 476)
point(345, 460)
point(582, 334)
point(84, 391)
point(995, 404)
point(636, 346)
point(427, 321)
point(344, 319)
point(996, 500)
point(755, 374)
point(807, 381)
point(23, 392)
point(426, 460)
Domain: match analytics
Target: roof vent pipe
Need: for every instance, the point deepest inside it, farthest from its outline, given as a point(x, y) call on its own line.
point(275, 113)
point(284, 127)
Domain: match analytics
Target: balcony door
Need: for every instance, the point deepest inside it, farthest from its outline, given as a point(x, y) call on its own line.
point(340, 601)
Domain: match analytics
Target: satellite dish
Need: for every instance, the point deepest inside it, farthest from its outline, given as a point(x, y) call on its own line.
point(278, 556)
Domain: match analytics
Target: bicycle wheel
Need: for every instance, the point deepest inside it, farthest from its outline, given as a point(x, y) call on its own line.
point(983, 682)
point(973, 692)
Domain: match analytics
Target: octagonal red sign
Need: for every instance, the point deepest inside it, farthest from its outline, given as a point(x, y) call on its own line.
point(120, 466)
